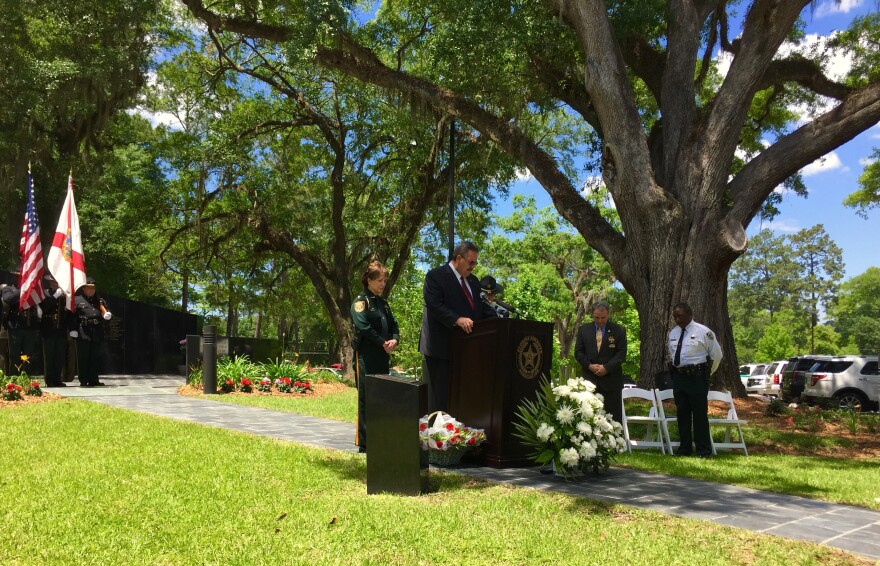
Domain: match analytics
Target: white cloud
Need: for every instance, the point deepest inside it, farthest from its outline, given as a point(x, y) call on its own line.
point(161, 118)
point(865, 161)
point(780, 189)
point(724, 59)
point(592, 185)
point(831, 7)
point(830, 162)
point(784, 226)
point(158, 118)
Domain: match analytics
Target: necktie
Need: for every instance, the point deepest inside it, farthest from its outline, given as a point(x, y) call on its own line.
point(598, 339)
point(677, 361)
point(467, 292)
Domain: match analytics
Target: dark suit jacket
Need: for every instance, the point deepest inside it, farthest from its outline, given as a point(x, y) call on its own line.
point(611, 355)
point(445, 302)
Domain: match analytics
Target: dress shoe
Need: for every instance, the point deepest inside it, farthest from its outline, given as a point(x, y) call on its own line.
point(99, 384)
point(683, 454)
point(362, 449)
point(59, 384)
point(704, 456)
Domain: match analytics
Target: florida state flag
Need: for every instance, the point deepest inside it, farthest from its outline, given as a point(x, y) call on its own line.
point(66, 262)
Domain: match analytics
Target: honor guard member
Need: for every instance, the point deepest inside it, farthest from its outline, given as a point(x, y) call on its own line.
point(23, 328)
point(4, 331)
point(54, 328)
point(489, 291)
point(694, 355)
point(91, 313)
point(376, 335)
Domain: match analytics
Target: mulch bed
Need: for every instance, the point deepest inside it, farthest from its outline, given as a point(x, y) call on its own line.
point(864, 444)
point(30, 400)
point(318, 390)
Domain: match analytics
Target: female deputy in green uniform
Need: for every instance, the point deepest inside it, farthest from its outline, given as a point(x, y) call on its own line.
point(376, 335)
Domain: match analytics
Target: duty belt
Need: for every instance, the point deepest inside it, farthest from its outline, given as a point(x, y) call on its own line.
point(692, 369)
point(93, 321)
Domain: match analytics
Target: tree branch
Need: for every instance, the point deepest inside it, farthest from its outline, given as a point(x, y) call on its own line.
point(751, 186)
point(767, 24)
point(361, 63)
point(248, 27)
point(799, 69)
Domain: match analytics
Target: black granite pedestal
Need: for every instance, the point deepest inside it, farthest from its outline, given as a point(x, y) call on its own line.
point(395, 461)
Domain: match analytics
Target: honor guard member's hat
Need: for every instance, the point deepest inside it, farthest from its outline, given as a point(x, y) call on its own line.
point(90, 282)
point(489, 286)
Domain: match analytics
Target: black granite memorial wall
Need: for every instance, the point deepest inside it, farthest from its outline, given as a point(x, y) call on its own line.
point(142, 338)
point(139, 339)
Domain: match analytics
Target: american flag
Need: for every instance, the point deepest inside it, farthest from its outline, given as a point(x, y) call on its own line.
point(31, 279)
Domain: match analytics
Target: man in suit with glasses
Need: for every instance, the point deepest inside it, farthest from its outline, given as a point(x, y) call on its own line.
point(452, 298)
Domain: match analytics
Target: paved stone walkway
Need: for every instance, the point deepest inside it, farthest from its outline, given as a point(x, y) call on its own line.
point(841, 526)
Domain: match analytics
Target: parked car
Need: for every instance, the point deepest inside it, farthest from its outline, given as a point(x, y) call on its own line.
point(793, 377)
point(773, 381)
point(748, 370)
point(851, 381)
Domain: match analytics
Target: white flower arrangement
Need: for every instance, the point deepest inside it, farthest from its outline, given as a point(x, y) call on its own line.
point(567, 425)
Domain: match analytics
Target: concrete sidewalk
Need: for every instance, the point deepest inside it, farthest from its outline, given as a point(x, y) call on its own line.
point(841, 526)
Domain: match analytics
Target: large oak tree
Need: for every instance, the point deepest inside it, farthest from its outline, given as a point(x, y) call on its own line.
point(639, 75)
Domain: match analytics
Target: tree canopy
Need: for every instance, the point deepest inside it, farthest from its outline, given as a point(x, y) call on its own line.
point(679, 146)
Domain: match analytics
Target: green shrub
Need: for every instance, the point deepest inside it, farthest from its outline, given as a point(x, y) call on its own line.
point(776, 408)
point(871, 422)
point(283, 368)
point(234, 369)
point(195, 377)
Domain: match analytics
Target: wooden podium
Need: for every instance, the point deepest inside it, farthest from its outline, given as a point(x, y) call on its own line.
point(491, 371)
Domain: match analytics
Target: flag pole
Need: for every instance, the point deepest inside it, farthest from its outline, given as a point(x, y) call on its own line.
point(70, 301)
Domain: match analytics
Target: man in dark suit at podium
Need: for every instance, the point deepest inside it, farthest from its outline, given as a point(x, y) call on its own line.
point(452, 298)
point(600, 348)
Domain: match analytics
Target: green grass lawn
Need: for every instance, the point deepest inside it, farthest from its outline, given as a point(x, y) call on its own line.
point(855, 482)
point(341, 406)
point(88, 484)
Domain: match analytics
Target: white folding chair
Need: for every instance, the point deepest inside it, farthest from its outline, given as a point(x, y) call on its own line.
point(728, 422)
point(666, 395)
point(652, 420)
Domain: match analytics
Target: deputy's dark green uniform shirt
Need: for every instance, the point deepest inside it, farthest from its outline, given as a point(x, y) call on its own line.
point(374, 324)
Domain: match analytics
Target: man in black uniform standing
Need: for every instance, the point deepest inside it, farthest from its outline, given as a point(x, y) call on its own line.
point(91, 312)
point(600, 348)
point(4, 331)
point(54, 327)
point(23, 328)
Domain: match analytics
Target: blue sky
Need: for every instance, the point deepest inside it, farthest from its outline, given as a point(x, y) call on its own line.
point(829, 180)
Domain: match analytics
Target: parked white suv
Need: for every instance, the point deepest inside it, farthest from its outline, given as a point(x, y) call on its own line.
point(746, 371)
point(773, 380)
point(852, 381)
